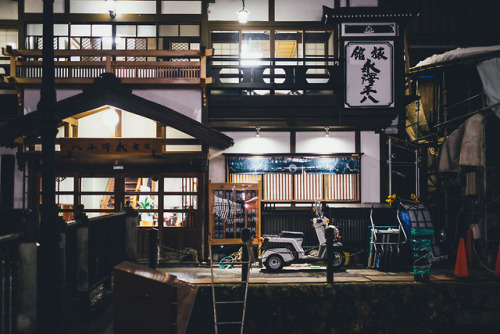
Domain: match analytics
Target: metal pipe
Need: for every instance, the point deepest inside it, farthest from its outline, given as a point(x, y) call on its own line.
point(389, 164)
point(485, 183)
point(417, 175)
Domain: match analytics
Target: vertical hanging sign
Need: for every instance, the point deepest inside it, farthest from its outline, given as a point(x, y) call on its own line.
point(369, 74)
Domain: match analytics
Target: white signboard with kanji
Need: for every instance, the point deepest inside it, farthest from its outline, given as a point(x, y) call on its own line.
point(369, 74)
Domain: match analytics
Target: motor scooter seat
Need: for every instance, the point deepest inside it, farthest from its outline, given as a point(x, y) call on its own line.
point(292, 234)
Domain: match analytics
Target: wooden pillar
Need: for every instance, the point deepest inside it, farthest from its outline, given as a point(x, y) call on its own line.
point(50, 266)
point(7, 181)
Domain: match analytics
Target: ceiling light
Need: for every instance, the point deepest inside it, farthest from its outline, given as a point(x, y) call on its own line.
point(327, 132)
point(257, 132)
point(242, 14)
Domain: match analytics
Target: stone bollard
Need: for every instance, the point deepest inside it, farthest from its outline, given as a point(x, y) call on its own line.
point(246, 237)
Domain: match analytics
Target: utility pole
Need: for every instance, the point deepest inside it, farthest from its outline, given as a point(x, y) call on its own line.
point(50, 252)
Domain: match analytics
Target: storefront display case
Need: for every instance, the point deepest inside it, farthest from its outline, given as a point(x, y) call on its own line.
point(233, 207)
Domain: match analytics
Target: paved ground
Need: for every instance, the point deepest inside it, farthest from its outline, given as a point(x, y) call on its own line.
point(292, 274)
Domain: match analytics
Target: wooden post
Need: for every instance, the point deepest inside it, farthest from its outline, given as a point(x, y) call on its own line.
point(109, 68)
point(330, 235)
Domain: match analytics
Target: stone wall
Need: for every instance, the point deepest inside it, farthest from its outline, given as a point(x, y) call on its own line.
point(436, 307)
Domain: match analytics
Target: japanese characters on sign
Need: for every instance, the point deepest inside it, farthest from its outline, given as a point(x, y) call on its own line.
point(369, 74)
point(110, 146)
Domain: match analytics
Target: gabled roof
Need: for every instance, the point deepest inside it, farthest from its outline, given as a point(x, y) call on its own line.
point(108, 90)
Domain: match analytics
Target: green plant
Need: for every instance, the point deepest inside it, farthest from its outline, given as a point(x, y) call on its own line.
point(147, 204)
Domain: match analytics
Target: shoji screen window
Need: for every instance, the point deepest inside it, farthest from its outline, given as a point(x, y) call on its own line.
point(179, 37)
point(226, 45)
point(34, 36)
point(65, 196)
point(97, 194)
point(135, 37)
point(180, 201)
point(141, 193)
point(90, 37)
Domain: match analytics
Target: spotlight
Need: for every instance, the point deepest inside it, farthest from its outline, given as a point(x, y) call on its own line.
point(111, 7)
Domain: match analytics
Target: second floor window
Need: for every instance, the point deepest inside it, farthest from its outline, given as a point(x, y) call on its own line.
point(119, 37)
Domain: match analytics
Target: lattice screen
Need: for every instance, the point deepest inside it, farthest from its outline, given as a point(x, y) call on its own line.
point(137, 44)
point(342, 187)
point(304, 187)
point(278, 187)
point(308, 187)
point(245, 178)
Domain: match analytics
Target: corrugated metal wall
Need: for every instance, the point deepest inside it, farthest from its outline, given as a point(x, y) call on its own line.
point(353, 223)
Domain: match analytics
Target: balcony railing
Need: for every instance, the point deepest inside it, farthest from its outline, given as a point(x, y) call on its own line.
point(82, 66)
point(275, 74)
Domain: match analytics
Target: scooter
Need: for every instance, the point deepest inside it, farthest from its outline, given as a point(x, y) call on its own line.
point(286, 248)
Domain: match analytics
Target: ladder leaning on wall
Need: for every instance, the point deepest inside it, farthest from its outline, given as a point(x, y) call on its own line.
point(223, 305)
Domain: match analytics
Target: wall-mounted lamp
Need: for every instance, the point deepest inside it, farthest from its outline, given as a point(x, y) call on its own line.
point(257, 132)
point(111, 8)
point(327, 132)
point(242, 14)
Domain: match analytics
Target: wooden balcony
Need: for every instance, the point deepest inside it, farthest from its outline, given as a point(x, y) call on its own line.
point(137, 67)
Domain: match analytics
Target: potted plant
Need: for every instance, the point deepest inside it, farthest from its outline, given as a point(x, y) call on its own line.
point(146, 217)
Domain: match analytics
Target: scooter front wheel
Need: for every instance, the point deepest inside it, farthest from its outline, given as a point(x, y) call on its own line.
point(274, 262)
point(338, 259)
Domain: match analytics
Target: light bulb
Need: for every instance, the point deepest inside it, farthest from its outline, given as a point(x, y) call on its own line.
point(110, 117)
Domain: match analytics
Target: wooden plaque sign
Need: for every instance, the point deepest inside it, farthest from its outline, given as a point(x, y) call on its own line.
point(111, 146)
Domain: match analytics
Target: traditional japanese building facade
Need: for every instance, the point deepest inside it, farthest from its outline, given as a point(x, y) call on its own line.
point(158, 99)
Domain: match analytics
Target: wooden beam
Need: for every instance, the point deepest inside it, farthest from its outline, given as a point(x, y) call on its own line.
point(103, 53)
point(71, 120)
point(153, 81)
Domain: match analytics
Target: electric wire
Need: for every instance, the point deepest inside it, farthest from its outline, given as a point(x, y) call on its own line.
point(479, 259)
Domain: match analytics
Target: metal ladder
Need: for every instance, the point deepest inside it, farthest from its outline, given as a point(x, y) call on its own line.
point(234, 302)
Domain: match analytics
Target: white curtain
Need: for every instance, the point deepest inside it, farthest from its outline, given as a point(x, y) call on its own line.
point(489, 71)
point(464, 146)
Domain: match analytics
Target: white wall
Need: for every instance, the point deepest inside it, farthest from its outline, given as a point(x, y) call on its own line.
point(370, 167)
point(248, 143)
point(308, 142)
point(225, 10)
point(18, 179)
point(181, 7)
point(36, 6)
point(304, 10)
point(310, 10)
point(8, 10)
point(316, 142)
point(32, 97)
point(184, 101)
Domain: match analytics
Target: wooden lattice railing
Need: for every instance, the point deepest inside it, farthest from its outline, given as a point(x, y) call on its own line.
point(83, 66)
